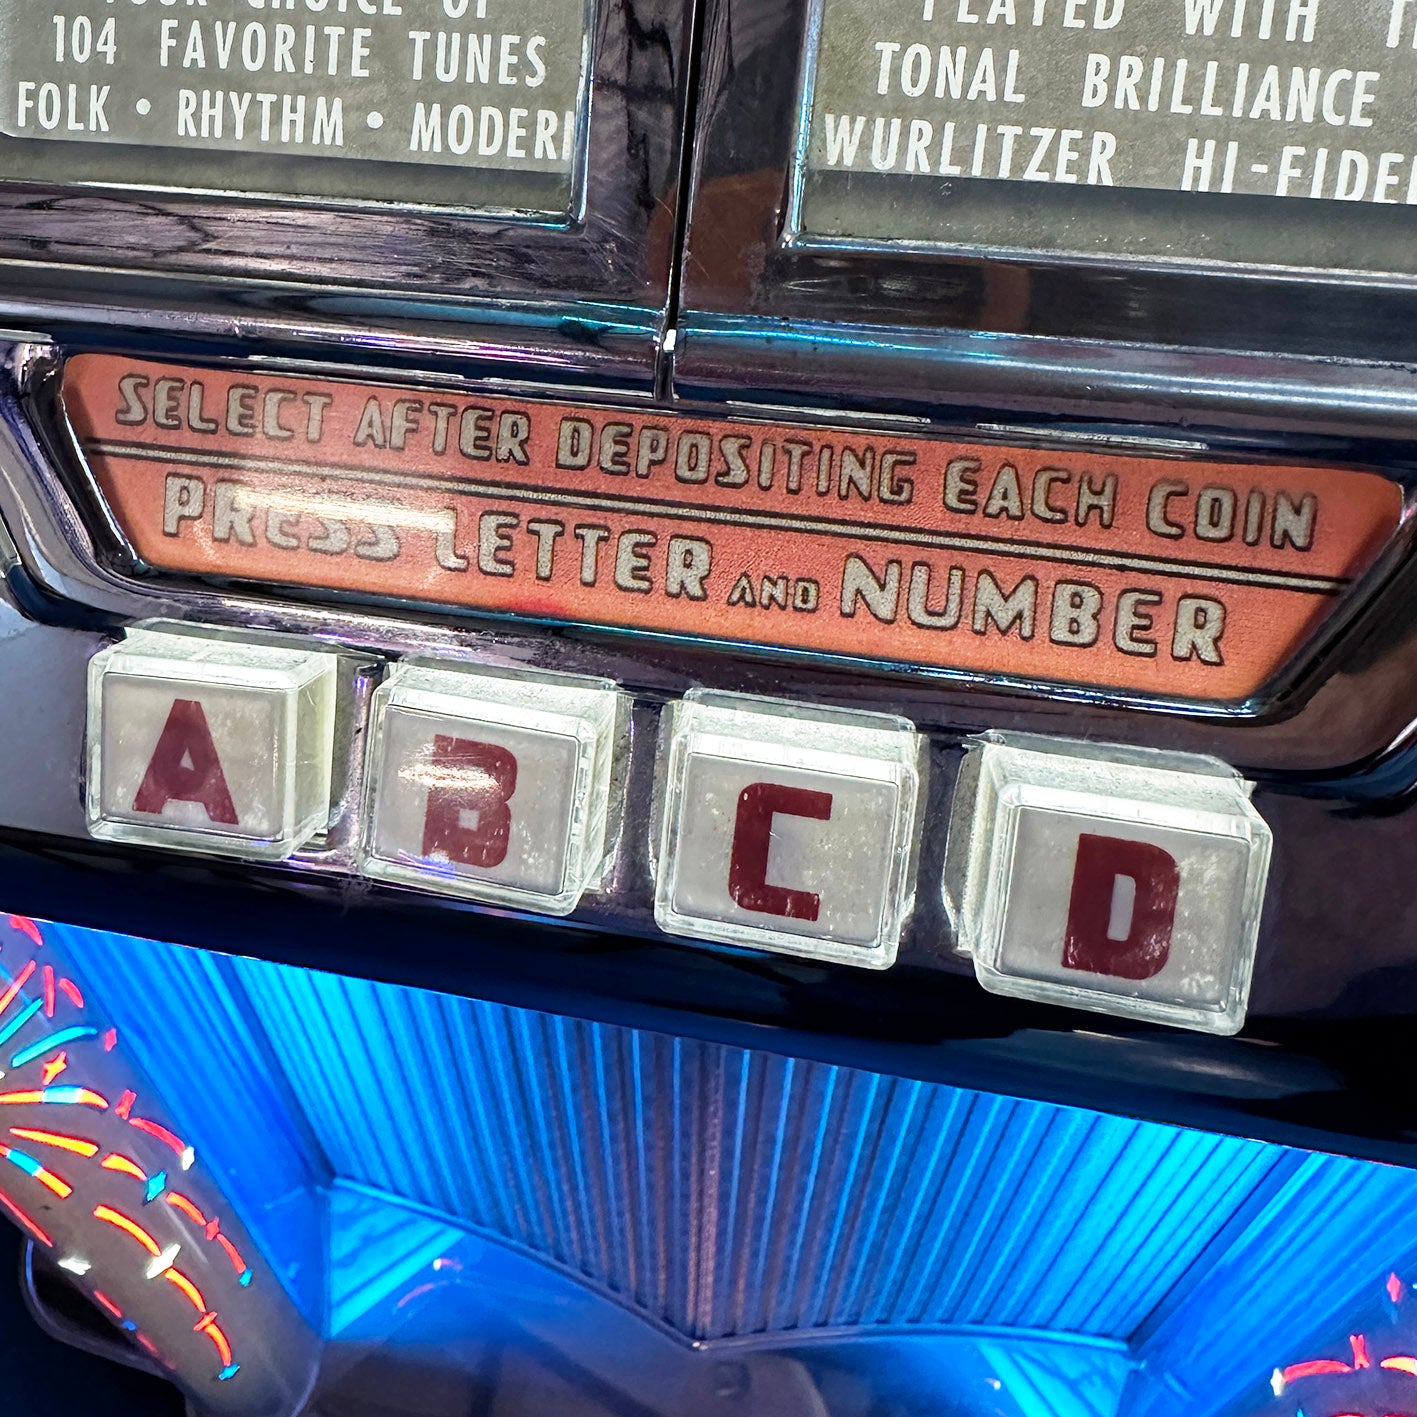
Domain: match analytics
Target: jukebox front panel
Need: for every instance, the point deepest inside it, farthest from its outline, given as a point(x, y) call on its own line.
point(796, 577)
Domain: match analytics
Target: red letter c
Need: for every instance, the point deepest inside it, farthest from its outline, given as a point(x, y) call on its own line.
point(758, 804)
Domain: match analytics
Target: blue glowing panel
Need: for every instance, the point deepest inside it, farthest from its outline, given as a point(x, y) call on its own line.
point(593, 1190)
point(727, 1192)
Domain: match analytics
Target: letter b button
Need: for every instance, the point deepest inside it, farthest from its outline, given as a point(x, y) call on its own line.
point(787, 828)
point(492, 786)
point(1120, 880)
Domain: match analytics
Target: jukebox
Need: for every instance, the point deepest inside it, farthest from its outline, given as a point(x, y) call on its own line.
point(709, 707)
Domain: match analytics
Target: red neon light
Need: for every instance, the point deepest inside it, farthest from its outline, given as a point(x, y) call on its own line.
point(415, 1294)
point(237, 1263)
point(71, 991)
point(147, 1345)
point(75, 1144)
point(26, 926)
point(1314, 1368)
point(55, 1066)
point(176, 1277)
point(125, 1105)
point(16, 984)
point(180, 1202)
point(105, 1302)
point(25, 1221)
point(1362, 1358)
point(207, 1324)
point(213, 1228)
point(49, 991)
point(154, 1129)
point(129, 1227)
point(114, 1162)
point(110, 1040)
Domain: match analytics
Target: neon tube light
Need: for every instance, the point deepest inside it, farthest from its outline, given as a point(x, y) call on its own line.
point(180, 1202)
point(1314, 1368)
point(23, 1161)
point(25, 1221)
point(167, 1138)
point(16, 984)
point(54, 1067)
point(237, 1263)
point(59, 1096)
point(129, 1227)
point(105, 1302)
point(77, 1145)
point(413, 1294)
point(27, 926)
point(71, 991)
point(35, 1050)
point(20, 1020)
point(114, 1162)
point(49, 998)
point(1362, 1358)
point(207, 1324)
point(194, 1295)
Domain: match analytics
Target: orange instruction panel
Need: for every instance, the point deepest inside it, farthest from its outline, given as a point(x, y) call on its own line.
point(1177, 578)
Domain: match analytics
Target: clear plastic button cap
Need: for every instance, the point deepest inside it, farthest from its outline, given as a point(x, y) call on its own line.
point(493, 785)
point(786, 827)
point(1119, 880)
point(203, 741)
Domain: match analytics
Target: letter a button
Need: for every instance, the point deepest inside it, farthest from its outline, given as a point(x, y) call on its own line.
point(1122, 880)
point(210, 743)
point(788, 828)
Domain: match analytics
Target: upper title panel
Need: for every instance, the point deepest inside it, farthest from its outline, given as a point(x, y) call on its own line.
point(1171, 128)
point(462, 103)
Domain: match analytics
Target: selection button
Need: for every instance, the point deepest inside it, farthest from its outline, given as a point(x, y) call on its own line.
point(490, 785)
point(210, 744)
point(788, 828)
point(1125, 881)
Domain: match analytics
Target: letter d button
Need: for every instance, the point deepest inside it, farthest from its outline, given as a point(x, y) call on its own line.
point(788, 828)
point(1125, 881)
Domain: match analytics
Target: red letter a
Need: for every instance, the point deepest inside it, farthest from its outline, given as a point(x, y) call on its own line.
point(185, 767)
point(1102, 862)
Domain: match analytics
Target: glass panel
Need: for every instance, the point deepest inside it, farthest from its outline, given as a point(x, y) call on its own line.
point(445, 102)
point(1115, 126)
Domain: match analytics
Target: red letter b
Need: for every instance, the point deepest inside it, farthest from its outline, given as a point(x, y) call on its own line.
point(475, 778)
